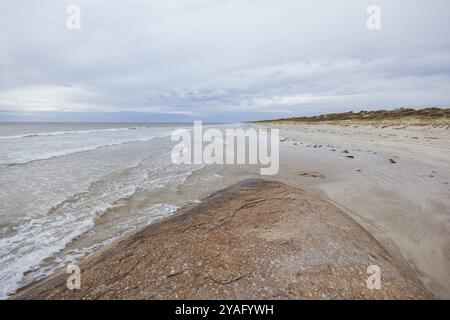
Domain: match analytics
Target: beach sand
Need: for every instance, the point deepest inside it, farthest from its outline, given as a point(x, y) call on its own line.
point(253, 240)
point(392, 179)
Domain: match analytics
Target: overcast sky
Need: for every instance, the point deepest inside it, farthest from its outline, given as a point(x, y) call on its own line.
point(221, 60)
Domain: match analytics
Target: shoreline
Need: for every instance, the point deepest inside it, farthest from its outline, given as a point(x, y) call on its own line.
point(234, 245)
point(399, 204)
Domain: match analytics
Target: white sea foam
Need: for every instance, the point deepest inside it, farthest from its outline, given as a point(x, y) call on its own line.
point(160, 210)
point(54, 154)
point(41, 236)
point(56, 211)
point(19, 253)
point(59, 133)
point(38, 238)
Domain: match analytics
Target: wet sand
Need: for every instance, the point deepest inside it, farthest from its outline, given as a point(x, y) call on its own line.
point(253, 240)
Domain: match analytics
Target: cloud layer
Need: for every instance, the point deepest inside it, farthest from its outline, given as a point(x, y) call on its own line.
point(228, 60)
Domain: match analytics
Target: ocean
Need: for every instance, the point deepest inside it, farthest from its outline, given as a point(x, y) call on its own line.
point(67, 189)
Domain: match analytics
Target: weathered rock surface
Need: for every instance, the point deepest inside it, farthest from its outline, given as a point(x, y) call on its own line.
point(254, 240)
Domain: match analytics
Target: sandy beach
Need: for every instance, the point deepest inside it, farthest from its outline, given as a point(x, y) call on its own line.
point(392, 179)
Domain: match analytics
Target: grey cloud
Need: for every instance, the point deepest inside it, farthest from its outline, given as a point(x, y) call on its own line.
point(226, 60)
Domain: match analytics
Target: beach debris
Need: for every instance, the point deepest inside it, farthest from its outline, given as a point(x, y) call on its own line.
point(345, 151)
point(284, 139)
point(350, 157)
point(313, 175)
point(392, 161)
point(334, 150)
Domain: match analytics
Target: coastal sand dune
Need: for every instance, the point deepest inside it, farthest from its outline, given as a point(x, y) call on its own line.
point(254, 240)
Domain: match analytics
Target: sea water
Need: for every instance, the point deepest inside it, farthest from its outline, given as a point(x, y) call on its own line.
point(67, 189)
